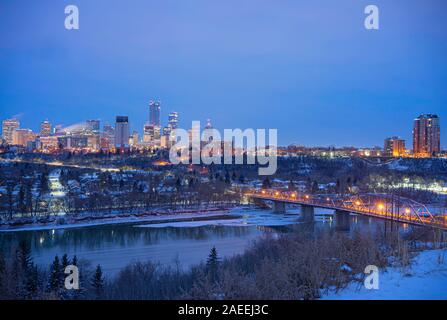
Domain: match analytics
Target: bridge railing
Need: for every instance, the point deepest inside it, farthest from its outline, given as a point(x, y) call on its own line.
point(381, 205)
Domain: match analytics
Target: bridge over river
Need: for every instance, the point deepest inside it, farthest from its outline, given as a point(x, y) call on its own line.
point(383, 206)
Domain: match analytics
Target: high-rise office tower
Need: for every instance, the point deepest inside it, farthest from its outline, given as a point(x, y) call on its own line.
point(93, 126)
point(394, 147)
point(45, 128)
point(21, 137)
point(122, 132)
point(92, 133)
point(426, 135)
point(8, 128)
point(173, 120)
point(154, 113)
point(107, 137)
point(148, 133)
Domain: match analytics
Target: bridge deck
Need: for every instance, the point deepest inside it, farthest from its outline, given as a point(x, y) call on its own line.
point(410, 215)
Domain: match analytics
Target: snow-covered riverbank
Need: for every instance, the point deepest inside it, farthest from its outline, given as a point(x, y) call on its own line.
point(425, 279)
point(160, 218)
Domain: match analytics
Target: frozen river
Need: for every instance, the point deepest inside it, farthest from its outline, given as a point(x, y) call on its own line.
point(115, 246)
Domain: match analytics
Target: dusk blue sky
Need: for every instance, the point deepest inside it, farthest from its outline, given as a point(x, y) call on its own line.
point(308, 68)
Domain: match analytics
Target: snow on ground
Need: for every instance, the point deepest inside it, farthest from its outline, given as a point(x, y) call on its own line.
point(244, 218)
point(118, 220)
point(425, 279)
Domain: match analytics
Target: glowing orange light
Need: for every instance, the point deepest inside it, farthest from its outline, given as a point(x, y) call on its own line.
point(357, 203)
point(407, 211)
point(263, 191)
point(276, 193)
point(380, 206)
point(307, 196)
point(293, 195)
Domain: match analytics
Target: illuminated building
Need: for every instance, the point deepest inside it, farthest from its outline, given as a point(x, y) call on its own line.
point(154, 113)
point(21, 137)
point(157, 132)
point(48, 143)
point(122, 132)
point(172, 126)
point(426, 135)
point(148, 133)
point(107, 137)
point(73, 142)
point(394, 147)
point(93, 126)
point(164, 141)
point(58, 130)
point(8, 128)
point(173, 120)
point(45, 128)
point(133, 141)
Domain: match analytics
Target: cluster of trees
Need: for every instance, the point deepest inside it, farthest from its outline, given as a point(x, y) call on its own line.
point(25, 188)
point(299, 265)
point(22, 279)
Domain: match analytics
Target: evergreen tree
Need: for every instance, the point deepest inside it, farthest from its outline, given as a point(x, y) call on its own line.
point(24, 272)
point(44, 182)
point(64, 262)
point(21, 200)
point(74, 261)
point(28, 199)
point(24, 256)
point(98, 283)
point(266, 183)
point(227, 178)
point(32, 282)
point(212, 264)
point(55, 280)
point(2, 275)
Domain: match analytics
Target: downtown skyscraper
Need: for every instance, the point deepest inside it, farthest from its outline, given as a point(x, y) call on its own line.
point(8, 128)
point(122, 132)
point(154, 113)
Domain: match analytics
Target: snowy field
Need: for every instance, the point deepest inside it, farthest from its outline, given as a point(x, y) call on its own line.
point(425, 279)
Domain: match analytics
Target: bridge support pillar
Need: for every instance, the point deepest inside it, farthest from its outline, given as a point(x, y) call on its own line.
point(307, 213)
point(342, 220)
point(279, 207)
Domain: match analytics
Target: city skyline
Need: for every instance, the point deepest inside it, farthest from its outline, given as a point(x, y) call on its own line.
point(165, 128)
point(272, 69)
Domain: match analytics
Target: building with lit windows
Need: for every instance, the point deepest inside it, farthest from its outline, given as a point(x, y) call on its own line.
point(8, 128)
point(21, 137)
point(426, 136)
point(154, 113)
point(122, 132)
point(394, 147)
point(45, 128)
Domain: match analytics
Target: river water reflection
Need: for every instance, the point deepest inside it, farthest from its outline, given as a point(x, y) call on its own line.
point(115, 246)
